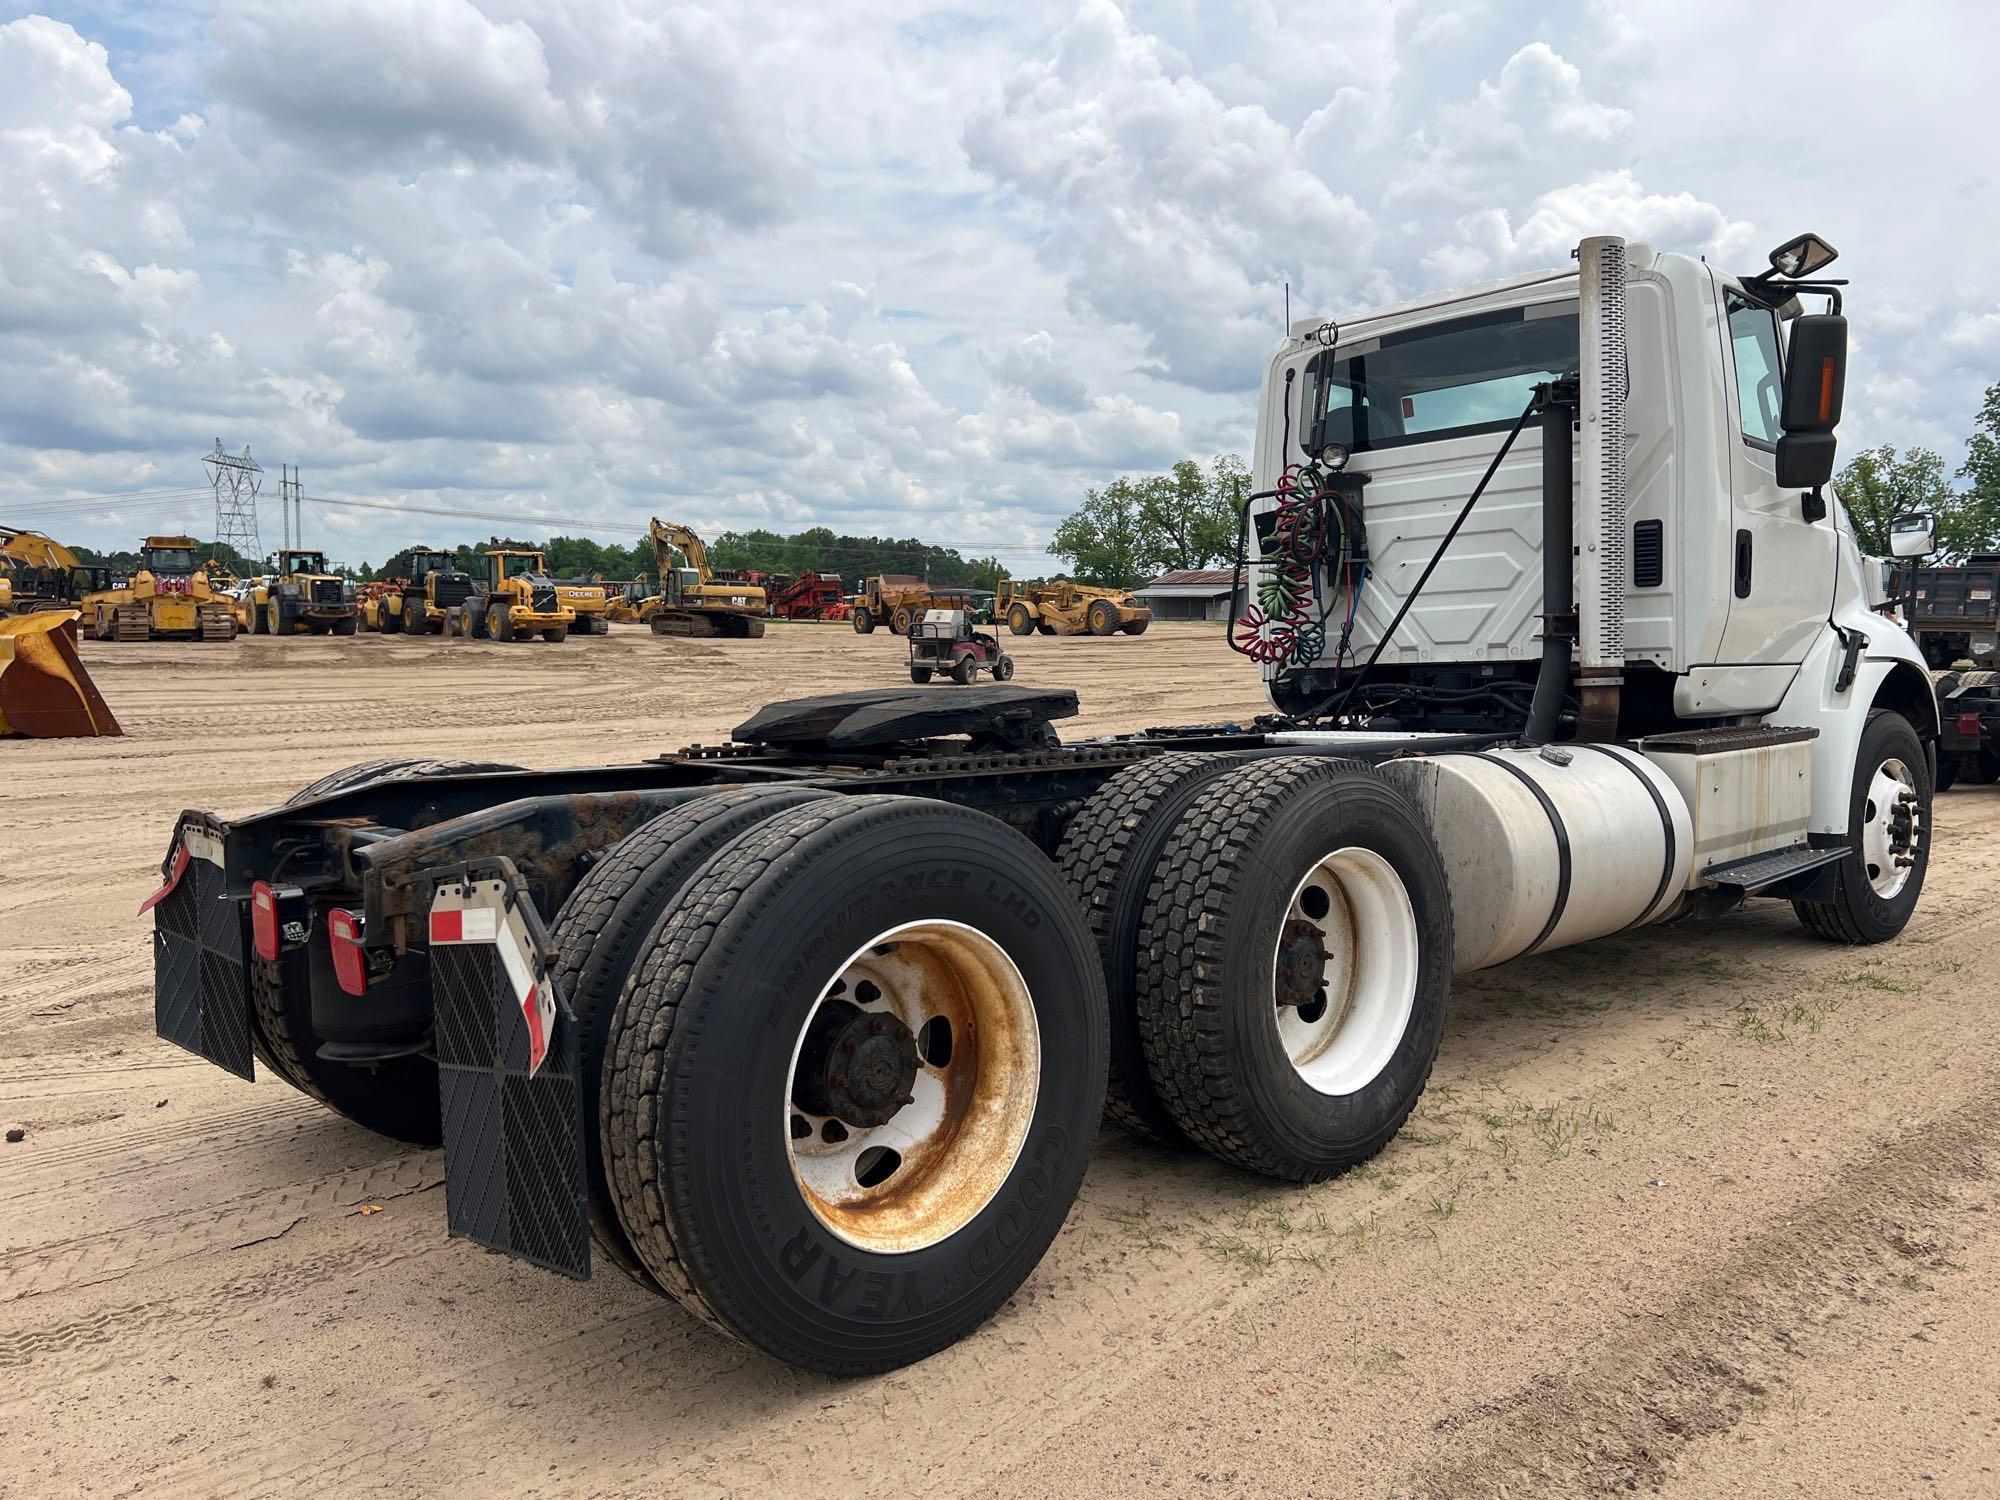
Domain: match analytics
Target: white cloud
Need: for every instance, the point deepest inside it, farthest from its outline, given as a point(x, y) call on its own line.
point(923, 272)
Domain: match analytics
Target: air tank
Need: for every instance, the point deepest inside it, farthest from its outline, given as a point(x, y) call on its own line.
point(1551, 846)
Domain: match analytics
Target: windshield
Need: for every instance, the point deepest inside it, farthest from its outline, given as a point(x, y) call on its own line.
point(170, 559)
point(306, 562)
point(428, 562)
point(521, 567)
point(1471, 375)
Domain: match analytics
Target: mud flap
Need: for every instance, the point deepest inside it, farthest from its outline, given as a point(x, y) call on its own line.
point(507, 1073)
point(201, 976)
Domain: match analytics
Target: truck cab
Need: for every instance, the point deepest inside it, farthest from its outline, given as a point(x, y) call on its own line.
point(1733, 578)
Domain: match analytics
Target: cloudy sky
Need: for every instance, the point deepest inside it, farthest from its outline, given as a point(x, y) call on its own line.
point(884, 267)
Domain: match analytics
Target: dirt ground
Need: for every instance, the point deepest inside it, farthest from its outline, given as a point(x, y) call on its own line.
point(1709, 1211)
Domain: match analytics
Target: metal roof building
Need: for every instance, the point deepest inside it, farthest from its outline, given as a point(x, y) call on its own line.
point(1190, 594)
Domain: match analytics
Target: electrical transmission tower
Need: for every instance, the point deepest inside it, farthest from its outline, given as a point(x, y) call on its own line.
point(235, 482)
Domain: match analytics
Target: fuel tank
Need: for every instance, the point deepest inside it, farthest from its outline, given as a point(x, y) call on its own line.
point(1551, 846)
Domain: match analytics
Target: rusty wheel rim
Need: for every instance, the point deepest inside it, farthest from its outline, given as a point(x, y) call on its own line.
point(1344, 974)
point(912, 1085)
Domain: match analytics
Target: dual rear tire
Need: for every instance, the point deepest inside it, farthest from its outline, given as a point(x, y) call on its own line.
point(848, 1060)
point(1276, 938)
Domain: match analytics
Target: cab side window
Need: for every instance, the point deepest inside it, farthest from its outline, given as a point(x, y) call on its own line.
point(1753, 336)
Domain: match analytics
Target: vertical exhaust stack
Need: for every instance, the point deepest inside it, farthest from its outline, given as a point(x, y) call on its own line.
point(1601, 503)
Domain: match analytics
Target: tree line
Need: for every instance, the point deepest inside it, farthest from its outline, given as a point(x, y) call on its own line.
point(1879, 483)
point(819, 548)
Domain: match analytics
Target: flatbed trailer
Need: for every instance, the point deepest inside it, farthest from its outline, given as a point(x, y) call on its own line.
point(812, 1031)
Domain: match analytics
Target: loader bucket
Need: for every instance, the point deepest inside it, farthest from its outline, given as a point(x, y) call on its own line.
point(44, 691)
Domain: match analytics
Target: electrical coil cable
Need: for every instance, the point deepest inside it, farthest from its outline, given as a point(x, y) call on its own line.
point(1312, 554)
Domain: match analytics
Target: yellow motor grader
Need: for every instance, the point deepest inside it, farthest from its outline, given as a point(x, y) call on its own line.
point(1066, 608)
point(518, 601)
point(167, 597)
point(301, 596)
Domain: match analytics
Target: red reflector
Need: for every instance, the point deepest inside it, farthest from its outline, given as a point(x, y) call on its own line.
point(1968, 724)
point(173, 879)
point(264, 920)
point(1826, 373)
point(447, 926)
point(343, 931)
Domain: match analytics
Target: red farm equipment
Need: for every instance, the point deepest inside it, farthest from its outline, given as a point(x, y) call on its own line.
point(810, 596)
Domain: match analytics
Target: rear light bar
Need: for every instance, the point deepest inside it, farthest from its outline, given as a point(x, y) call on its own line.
point(350, 962)
point(264, 920)
point(280, 918)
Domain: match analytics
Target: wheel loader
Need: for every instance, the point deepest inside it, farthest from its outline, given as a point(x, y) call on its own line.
point(590, 600)
point(299, 597)
point(1065, 608)
point(517, 601)
point(420, 604)
point(812, 1032)
point(166, 598)
point(691, 600)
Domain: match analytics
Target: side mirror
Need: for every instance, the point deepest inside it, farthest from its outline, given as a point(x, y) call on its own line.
point(1815, 373)
point(1805, 460)
point(1802, 256)
point(1913, 534)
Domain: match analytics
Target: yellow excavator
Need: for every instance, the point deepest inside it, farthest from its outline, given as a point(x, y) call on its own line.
point(36, 572)
point(691, 601)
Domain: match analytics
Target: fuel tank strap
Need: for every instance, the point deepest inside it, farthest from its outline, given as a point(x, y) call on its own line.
point(1556, 826)
point(1666, 830)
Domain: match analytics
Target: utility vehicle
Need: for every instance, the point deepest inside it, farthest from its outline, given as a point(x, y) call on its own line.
point(944, 641)
point(1564, 634)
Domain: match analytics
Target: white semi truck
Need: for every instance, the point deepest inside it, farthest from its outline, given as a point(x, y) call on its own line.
point(1564, 634)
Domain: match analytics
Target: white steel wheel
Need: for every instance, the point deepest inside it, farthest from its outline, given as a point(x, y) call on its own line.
point(1344, 974)
point(912, 1086)
point(1891, 827)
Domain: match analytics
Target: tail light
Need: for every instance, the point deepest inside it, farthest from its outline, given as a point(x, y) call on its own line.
point(350, 964)
point(1968, 723)
point(264, 920)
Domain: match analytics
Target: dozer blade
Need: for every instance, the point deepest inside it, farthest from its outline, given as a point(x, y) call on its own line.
point(44, 691)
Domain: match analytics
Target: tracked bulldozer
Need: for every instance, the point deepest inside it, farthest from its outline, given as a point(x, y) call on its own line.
point(45, 693)
point(167, 598)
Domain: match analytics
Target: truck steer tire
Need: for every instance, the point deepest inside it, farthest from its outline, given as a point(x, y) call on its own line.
point(1888, 833)
point(855, 1079)
point(1294, 960)
point(1108, 856)
point(864, 622)
point(598, 933)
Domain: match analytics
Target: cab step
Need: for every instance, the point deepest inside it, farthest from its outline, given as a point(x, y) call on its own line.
point(1758, 872)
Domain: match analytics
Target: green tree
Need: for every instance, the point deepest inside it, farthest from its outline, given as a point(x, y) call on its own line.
point(1101, 539)
point(1977, 520)
point(1879, 483)
point(1136, 527)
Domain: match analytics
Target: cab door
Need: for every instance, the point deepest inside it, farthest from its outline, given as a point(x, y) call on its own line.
point(1782, 561)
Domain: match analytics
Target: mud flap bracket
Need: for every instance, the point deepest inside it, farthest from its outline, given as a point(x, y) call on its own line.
point(507, 1072)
